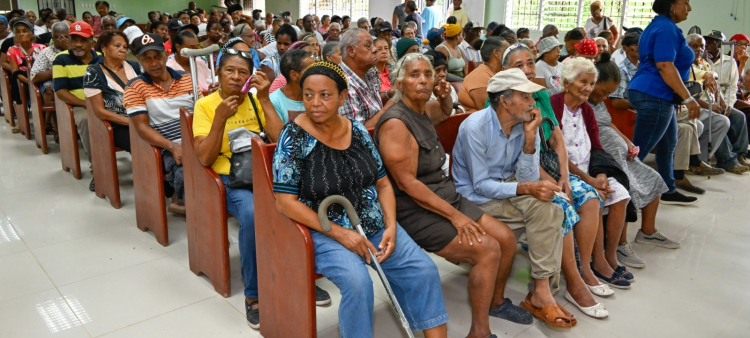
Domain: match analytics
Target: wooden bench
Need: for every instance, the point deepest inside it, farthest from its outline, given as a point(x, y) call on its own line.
point(38, 111)
point(22, 110)
point(7, 102)
point(103, 159)
point(148, 187)
point(206, 214)
point(68, 134)
point(623, 119)
point(286, 261)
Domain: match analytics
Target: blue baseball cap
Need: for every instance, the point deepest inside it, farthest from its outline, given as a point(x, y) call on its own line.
point(123, 20)
point(435, 32)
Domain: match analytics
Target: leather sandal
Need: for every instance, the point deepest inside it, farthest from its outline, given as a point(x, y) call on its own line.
point(573, 320)
point(548, 314)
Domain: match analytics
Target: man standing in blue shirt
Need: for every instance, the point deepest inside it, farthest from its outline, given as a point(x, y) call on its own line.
point(496, 166)
point(430, 16)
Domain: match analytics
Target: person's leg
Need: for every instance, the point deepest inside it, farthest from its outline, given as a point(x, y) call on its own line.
point(121, 135)
point(719, 126)
point(614, 226)
point(240, 205)
point(574, 283)
point(585, 236)
point(648, 217)
point(416, 284)
point(484, 257)
point(507, 241)
point(348, 272)
point(738, 132)
point(600, 263)
point(544, 233)
point(653, 124)
point(82, 124)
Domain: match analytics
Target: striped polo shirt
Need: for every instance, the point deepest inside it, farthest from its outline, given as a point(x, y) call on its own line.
point(142, 96)
point(68, 70)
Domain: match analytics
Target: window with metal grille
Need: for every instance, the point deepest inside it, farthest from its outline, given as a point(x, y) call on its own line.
point(568, 14)
point(353, 8)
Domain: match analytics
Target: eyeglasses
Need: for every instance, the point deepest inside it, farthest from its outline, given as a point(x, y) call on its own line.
point(242, 54)
point(744, 45)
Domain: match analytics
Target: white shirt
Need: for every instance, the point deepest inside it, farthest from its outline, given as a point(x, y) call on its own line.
point(593, 30)
point(551, 75)
point(202, 29)
point(728, 78)
point(269, 49)
point(40, 30)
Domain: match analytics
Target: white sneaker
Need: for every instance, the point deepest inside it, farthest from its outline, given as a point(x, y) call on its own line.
point(627, 256)
point(657, 239)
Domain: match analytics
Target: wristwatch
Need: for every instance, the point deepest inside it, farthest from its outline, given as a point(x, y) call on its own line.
point(688, 100)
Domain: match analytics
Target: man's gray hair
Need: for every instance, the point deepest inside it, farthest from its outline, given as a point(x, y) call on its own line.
point(59, 27)
point(548, 29)
point(692, 37)
point(330, 48)
point(350, 38)
point(334, 24)
point(260, 25)
point(494, 98)
point(399, 71)
point(574, 68)
point(363, 20)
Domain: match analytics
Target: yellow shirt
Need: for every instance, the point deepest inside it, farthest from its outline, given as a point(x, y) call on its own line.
point(205, 110)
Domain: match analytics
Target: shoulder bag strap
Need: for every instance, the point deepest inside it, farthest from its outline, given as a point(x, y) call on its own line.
point(114, 76)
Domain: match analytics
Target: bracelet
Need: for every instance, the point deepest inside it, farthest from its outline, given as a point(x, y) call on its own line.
point(688, 100)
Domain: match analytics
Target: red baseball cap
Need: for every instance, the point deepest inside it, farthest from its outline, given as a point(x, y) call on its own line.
point(738, 37)
point(81, 28)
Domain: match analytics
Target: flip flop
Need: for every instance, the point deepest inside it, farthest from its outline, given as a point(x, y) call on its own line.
point(548, 314)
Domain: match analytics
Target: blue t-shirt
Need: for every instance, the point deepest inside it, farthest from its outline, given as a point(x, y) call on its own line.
point(286, 108)
point(661, 41)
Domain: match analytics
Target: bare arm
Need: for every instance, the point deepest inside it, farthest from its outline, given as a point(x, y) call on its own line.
point(273, 123)
point(154, 138)
point(72, 100)
point(479, 96)
point(440, 110)
point(371, 122)
point(42, 76)
point(269, 72)
point(4, 61)
point(97, 103)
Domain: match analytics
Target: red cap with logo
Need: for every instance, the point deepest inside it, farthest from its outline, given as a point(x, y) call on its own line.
point(81, 28)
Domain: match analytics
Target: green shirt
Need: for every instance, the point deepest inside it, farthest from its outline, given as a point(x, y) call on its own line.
point(542, 102)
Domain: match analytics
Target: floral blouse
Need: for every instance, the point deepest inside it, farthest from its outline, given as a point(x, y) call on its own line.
point(308, 168)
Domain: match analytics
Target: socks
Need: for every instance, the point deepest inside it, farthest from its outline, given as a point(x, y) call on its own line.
point(694, 161)
point(679, 175)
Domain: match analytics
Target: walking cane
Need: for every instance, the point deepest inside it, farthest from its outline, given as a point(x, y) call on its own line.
point(354, 219)
point(710, 114)
point(191, 54)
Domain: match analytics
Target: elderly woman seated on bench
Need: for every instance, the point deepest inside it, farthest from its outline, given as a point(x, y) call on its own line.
point(438, 218)
point(215, 115)
point(320, 154)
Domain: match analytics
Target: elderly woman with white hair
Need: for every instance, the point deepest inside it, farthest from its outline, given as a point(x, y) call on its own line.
point(589, 161)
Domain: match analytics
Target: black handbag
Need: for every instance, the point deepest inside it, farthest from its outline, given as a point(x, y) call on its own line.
point(241, 170)
point(548, 158)
point(695, 89)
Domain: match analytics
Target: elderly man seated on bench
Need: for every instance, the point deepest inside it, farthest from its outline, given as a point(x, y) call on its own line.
point(153, 101)
point(496, 166)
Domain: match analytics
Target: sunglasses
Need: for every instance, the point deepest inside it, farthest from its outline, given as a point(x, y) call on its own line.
point(242, 54)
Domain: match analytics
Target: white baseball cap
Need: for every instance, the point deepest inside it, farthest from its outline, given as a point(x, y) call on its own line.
point(513, 78)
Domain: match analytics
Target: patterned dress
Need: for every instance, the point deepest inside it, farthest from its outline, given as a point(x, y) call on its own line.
point(308, 168)
point(578, 144)
point(645, 182)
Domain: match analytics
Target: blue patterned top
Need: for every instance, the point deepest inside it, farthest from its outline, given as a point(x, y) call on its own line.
point(308, 168)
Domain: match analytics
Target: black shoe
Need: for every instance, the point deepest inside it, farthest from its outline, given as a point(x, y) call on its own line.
point(677, 198)
point(322, 298)
point(511, 313)
point(92, 187)
point(252, 311)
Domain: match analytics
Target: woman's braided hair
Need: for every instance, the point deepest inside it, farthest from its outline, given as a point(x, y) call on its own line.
point(329, 69)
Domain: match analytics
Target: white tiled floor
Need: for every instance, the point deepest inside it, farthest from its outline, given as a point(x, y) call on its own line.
point(72, 266)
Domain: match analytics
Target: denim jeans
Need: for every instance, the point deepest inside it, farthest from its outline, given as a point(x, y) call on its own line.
point(412, 275)
point(735, 143)
point(656, 128)
point(240, 205)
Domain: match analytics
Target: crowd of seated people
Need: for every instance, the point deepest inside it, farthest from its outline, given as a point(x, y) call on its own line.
point(540, 160)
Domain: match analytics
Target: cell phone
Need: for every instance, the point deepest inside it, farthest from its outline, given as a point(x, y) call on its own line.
point(562, 195)
point(246, 87)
